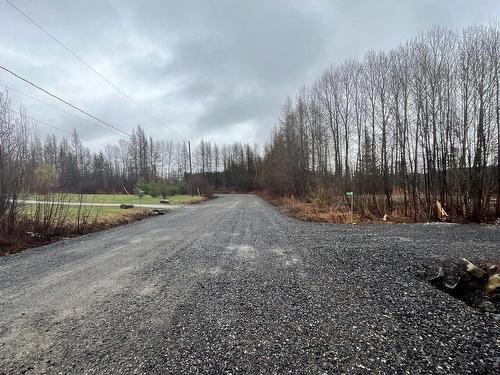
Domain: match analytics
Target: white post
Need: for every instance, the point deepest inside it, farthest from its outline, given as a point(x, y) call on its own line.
point(351, 195)
point(352, 205)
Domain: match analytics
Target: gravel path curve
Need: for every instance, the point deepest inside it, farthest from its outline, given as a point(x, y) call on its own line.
point(234, 286)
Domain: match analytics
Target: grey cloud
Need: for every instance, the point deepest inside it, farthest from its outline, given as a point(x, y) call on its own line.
point(213, 69)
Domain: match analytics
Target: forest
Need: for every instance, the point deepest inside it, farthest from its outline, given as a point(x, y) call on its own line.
point(401, 129)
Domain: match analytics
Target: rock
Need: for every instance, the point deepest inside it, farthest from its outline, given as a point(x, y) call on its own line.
point(34, 235)
point(487, 306)
point(492, 267)
point(440, 272)
point(474, 270)
point(156, 212)
point(451, 285)
point(493, 285)
point(439, 275)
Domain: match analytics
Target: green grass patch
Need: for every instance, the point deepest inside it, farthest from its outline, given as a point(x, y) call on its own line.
point(130, 199)
point(93, 213)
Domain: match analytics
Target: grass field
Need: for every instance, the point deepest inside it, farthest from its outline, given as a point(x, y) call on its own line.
point(56, 219)
point(131, 199)
point(101, 213)
point(94, 216)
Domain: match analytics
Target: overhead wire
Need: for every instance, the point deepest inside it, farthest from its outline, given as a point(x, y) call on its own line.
point(124, 94)
point(54, 107)
point(62, 100)
point(51, 126)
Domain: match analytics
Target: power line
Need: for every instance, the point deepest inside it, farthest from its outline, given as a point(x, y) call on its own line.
point(92, 68)
point(54, 107)
point(50, 126)
point(64, 101)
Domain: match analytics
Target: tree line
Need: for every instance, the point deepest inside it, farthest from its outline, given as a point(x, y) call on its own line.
point(65, 164)
point(401, 129)
point(31, 165)
point(414, 125)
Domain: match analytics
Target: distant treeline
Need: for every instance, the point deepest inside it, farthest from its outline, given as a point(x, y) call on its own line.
point(65, 165)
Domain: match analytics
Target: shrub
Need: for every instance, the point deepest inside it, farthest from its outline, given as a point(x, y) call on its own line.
point(172, 190)
point(140, 185)
point(182, 188)
point(199, 184)
point(166, 189)
point(45, 178)
point(153, 189)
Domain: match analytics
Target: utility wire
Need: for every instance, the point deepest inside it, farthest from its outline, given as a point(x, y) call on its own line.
point(92, 68)
point(64, 101)
point(56, 108)
point(50, 126)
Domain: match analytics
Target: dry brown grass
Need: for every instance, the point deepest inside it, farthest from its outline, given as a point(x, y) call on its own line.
point(334, 209)
point(23, 238)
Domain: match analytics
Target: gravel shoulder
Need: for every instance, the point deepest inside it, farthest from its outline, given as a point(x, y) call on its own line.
point(234, 286)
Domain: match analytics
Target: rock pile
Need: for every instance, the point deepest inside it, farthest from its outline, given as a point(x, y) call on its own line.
point(156, 212)
point(477, 284)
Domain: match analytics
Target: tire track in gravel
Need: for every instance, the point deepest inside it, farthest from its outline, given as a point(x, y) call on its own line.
point(234, 286)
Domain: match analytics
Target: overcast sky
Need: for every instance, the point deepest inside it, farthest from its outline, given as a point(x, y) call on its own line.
point(213, 69)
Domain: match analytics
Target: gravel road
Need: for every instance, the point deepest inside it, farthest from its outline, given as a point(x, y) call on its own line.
point(234, 286)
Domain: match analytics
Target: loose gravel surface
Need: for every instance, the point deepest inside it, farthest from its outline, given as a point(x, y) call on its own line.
point(234, 286)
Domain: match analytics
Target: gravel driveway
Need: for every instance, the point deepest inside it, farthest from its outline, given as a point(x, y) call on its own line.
point(234, 286)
